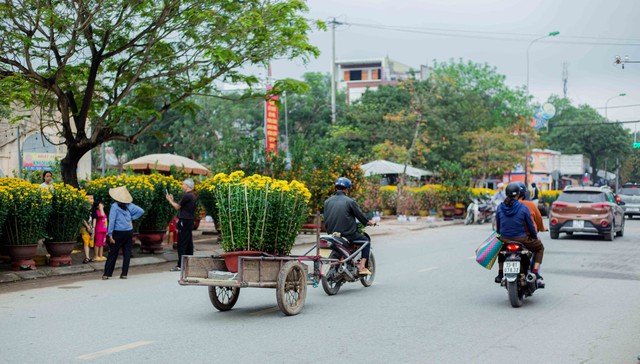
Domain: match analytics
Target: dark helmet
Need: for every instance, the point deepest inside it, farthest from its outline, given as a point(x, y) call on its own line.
point(343, 182)
point(512, 190)
point(523, 189)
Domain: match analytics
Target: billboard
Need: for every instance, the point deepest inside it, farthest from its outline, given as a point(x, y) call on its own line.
point(40, 161)
point(271, 125)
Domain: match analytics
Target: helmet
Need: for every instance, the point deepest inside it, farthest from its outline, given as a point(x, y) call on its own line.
point(343, 182)
point(523, 189)
point(500, 185)
point(512, 190)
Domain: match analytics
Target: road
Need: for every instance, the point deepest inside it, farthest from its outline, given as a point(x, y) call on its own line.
point(431, 303)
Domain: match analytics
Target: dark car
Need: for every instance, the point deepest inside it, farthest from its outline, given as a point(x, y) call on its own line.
point(630, 195)
point(591, 210)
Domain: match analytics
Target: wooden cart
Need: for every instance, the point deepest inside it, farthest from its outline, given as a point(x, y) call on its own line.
point(288, 275)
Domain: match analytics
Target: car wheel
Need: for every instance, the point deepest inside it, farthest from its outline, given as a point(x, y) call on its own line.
point(554, 234)
point(621, 232)
point(609, 235)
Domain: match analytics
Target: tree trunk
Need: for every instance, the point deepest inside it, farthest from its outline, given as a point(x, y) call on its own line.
point(69, 165)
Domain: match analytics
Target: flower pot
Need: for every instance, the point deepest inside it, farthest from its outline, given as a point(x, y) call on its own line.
point(22, 256)
point(448, 212)
point(387, 212)
point(231, 258)
point(196, 224)
point(423, 213)
point(60, 252)
point(151, 241)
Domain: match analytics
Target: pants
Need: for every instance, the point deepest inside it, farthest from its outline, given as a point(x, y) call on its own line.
point(124, 240)
point(367, 249)
point(533, 245)
point(185, 239)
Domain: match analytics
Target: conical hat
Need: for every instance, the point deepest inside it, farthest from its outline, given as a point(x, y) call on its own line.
point(120, 194)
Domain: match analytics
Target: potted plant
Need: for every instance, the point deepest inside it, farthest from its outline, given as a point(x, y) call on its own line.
point(427, 199)
point(153, 224)
point(69, 207)
point(27, 212)
point(388, 196)
point(455, 183)
point(258, 214)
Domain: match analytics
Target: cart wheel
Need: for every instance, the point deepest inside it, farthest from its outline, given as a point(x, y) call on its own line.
point(223, 298)
point(291, 289)
point(367, 281)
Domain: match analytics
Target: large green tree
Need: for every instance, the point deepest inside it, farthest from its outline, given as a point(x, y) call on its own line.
point(95, 67)
point(582, 130)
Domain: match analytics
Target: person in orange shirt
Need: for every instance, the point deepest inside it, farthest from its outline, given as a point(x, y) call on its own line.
point(533, 208)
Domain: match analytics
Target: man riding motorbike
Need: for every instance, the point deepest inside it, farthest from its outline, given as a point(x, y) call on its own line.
point(340, 214)
point(514, 223)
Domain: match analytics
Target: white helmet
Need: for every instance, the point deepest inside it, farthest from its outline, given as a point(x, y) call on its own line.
point(500, 185)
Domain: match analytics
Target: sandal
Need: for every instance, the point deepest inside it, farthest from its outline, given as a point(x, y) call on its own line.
point(87, 260)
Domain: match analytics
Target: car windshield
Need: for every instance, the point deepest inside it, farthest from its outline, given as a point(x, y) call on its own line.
point(632, 191)
point(582, 197)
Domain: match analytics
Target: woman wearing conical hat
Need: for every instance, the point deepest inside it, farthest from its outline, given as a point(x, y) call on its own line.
point(120, 233)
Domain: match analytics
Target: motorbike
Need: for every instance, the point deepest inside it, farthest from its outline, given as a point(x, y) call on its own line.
point(518, 279)
point(480, 210)
point(345, 258)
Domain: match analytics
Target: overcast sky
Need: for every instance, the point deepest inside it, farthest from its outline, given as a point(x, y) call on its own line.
point(497, 32)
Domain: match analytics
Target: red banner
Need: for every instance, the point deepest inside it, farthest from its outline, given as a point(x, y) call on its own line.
point(271, 125)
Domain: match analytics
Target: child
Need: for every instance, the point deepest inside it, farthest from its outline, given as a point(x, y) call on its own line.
point(99, 230)
point(85, 232)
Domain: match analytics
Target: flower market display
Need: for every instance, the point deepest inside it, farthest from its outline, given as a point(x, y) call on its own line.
point(257, 212)
point(69, 206)
point(28, 207)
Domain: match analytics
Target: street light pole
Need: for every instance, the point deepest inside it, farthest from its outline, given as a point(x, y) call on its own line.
point(606, 104)
point(526, 162)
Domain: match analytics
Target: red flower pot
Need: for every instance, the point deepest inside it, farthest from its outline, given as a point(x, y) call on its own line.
point(60, 252)
point(22, 256)
point(151, 241)
point(231, 258)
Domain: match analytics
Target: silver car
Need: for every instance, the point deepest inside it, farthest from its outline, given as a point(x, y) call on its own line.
point(630, 195)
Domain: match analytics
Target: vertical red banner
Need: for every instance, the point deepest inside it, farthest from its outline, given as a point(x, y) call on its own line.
point(271, 125)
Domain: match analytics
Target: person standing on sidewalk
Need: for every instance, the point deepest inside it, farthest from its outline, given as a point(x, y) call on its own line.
point(120, 231)
point(100, 228)
point(187, 209)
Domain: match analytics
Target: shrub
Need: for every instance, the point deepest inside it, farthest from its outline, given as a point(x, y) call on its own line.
point(69, 207)
point(27, 211)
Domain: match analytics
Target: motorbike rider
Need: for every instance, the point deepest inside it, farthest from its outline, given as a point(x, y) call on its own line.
point(533, 207)
point(499, 196)
point(514, 223)
point(340, 214)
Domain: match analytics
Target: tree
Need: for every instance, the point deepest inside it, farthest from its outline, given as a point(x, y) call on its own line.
point(582, 130)
point(94, 68)
point(492, 152)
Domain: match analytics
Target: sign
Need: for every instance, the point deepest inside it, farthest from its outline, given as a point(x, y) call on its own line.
point(40, 161)
point(271, 125)
point(636, 145)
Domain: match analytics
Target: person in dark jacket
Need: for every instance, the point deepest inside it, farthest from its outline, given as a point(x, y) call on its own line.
point(186, 214)
point(340, 214)
point(514, 223)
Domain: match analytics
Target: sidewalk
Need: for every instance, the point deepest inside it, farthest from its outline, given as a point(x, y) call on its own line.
point(205, 241)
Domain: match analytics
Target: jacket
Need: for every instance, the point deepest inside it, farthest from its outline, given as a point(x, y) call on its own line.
point(511, 221)
point(340, 214)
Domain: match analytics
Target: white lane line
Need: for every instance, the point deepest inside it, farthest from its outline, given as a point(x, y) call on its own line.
point(117, 349)
point(427, 269)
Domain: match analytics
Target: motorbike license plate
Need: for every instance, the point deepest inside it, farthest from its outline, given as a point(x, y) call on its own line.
point(578, 224)
point(511, 267)
point(325, 253)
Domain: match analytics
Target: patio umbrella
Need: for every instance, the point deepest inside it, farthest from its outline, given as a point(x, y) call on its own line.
point(163, 163)
point(382, 166)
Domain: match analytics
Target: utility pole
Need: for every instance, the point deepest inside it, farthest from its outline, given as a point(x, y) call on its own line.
point(102, 158)
point(565, 78)
point(333, 23)
point(19, 152)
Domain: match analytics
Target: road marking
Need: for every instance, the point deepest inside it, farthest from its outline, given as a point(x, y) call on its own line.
point(427, 269)
point(117, 349)
point(267, 310)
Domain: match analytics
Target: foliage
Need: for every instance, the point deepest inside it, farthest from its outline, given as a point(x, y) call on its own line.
point(69, 207)
point(389, 197)
point(492, 152)
point(160, 213)
point(371, 200)
point(407, 201)
point(455, 182)
point(29, 206)
point(139, 186)
point(630, 169)
point(427, 197)
point(5, 205)
point(119, 63)
point(258, 212)
point(482, 192)
point(582, 130)
point(549, 196)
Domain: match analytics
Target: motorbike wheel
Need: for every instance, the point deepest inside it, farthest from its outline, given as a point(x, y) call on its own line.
point(330, 284)
point(469, 219)
point(367, 281)
point(515, 295)
point(223, 298)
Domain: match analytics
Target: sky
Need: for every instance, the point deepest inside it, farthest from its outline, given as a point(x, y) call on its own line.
point(496, 32)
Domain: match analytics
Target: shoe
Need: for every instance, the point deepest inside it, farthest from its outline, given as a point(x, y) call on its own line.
point(498, 278)
point(540, 281)
point(123, 277)
point(174, 269)
point(364, 272)
point(87, 260)
point(104, 278)
point(100, 259)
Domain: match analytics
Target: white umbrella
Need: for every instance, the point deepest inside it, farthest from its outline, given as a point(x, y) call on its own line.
point(385, 167)
point(163, 162)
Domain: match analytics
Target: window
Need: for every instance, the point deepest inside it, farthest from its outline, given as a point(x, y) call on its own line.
point(582, 197)
point(355, 75)
point(630, 191)
point(375, 74)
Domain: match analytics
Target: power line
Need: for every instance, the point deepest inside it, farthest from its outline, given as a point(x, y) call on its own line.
point(617, 107)
point(595, 124)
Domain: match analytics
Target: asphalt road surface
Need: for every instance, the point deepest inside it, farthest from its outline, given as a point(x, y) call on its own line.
point(430, 303)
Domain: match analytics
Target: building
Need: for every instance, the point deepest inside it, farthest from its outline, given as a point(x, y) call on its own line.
point(356, 76)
